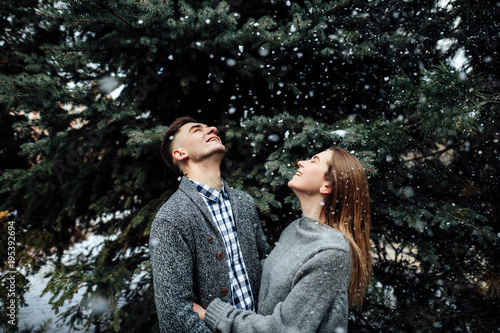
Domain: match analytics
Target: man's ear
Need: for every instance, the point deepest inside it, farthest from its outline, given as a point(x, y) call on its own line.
point(325, 189)
point(179, 154)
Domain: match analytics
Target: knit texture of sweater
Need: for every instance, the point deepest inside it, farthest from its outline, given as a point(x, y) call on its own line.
point(303, 288)
point(189, 258)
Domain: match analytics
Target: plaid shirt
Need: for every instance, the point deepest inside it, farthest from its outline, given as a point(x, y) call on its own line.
point(220, 207)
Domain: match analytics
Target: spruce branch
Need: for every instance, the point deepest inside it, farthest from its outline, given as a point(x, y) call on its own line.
point(148, 6)
point(428, 257)
point(76, 20)
point(119, 17)
point(487, 233)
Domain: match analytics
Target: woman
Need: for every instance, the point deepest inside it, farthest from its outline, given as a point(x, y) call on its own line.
point(321, 265)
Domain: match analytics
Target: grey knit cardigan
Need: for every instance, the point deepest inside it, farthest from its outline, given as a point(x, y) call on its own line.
point(189, 258)
point(304, 286)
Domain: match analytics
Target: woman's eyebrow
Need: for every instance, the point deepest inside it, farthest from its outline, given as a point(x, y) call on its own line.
point(315, 157)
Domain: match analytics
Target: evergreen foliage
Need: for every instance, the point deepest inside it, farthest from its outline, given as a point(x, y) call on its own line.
point(87, 89)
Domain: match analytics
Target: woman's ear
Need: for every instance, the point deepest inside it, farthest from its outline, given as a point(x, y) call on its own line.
point(325, 189)
point(179, 154)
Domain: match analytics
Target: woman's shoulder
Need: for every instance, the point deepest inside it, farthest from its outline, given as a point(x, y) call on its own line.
point(317, 235)
point(336, 239)
point(331, 238)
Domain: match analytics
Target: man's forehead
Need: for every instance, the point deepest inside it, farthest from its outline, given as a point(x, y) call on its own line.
point(185, 130)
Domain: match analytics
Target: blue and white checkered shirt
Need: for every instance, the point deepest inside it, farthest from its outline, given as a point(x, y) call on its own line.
point(220, 207)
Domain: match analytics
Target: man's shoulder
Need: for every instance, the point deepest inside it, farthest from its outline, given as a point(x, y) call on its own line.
point(172, 209)
point(178, 196)
point(239, 194)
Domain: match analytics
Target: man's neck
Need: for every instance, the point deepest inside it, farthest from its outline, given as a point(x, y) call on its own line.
point(206, 174)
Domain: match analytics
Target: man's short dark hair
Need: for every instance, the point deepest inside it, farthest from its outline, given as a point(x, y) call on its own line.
point(166, 145)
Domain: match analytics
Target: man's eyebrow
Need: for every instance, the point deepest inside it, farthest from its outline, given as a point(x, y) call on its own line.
point(195, 126)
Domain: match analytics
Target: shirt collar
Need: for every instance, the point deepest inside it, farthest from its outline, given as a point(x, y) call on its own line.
point(210, 193)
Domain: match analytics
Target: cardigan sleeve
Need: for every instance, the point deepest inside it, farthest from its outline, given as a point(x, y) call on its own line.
point(172, 263)
point(313, 297)
point(263, 247)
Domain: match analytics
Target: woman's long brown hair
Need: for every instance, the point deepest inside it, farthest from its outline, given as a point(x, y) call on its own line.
point(347, 209)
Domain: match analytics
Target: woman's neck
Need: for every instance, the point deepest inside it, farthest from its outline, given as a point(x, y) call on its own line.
point(311, 206)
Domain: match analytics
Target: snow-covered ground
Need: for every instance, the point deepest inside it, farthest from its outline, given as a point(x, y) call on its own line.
point(38, 311)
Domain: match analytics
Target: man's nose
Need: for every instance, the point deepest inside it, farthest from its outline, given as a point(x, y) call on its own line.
point(212, 129)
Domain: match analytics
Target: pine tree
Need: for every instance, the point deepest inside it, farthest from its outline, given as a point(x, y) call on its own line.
point(282, 80)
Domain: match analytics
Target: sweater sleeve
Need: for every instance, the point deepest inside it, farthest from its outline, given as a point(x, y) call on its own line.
point(313, 297)
point(173, 278)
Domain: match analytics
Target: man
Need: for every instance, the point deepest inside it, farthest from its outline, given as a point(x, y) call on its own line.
point(206, 241)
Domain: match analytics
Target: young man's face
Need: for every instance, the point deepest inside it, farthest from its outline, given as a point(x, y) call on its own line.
point(198, 141)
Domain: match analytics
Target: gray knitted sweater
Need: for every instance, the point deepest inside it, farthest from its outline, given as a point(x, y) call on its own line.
point(189, 258)
point(303, 289)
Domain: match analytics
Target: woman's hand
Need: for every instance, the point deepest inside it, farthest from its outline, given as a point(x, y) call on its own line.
point(199, 310)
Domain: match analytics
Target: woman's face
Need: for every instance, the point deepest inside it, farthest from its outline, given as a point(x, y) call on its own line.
point(310, 177)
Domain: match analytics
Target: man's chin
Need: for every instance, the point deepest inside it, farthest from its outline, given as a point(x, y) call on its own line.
point(221, 151)
point(220, 148)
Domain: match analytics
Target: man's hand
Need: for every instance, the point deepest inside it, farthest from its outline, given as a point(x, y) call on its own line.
point(199, 310)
